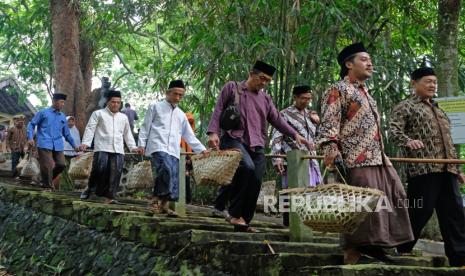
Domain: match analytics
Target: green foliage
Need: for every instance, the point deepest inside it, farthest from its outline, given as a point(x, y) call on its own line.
point(143, 44)
point(462, 189)
point(25, 44)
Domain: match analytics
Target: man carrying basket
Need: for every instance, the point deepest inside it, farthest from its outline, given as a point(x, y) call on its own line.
point(255, 108)
point(160, 138)
point(51, 127)
point(350, 128)
point(109, 129)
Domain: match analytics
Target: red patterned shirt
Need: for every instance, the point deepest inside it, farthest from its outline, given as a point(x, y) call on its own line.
point(350, 124)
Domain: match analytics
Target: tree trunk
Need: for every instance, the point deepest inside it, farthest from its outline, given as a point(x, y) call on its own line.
point(68, 56)
point(86, 58)
point(447, 47)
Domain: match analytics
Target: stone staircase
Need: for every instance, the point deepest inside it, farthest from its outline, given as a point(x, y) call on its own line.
point(193, 245)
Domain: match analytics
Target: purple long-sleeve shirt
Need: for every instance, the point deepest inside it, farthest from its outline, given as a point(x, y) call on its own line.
point(256, 109)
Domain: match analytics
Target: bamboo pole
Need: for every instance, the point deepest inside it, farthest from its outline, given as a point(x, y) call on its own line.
point(405, 160)
point(89, 150)
point(393, 159)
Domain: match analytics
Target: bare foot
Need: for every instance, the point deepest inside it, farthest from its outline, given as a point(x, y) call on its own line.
point(238, 221)
point(56, 183)
point(351, 256)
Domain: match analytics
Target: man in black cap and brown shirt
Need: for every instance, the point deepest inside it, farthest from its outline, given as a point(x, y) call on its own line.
point(350, 129)
point(16, 142)
point(52, 126)
point(422, 130)
point(255, 108)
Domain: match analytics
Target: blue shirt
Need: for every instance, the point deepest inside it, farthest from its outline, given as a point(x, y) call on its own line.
point(51, 128)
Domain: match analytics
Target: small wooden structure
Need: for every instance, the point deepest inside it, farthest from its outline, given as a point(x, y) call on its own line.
point(10, 104)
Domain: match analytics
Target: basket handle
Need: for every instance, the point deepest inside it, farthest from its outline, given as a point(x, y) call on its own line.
point(340, 174)
point(29, 153)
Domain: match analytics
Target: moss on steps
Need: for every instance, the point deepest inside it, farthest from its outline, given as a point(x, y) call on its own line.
point(378, 269)
point(196, 243)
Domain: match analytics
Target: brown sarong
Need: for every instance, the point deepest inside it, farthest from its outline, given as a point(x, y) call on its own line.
point(388, 227)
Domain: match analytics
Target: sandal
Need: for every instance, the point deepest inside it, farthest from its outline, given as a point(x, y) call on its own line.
point(170, 213)
point(48, 188)
point(252, 230)
point(155, 208)
point(230, 220)
point(114, 201)
point(246, 229)
point(404, 254)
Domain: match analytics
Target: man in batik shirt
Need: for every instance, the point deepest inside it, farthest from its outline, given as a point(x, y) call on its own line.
point(350, 128)
point(304, 121)
point(422, 129)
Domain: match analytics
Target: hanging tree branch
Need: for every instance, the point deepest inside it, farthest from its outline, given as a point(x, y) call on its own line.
point(121, 60)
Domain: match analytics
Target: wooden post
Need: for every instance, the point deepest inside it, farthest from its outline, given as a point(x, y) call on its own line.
point(297, 177)
point(180, 206)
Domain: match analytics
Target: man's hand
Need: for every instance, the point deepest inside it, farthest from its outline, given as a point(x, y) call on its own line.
point(141, 150)
point(329, 159)
point(314, 117)
point(330, 155)
point(213, 141)
point(279, 166)
point(461, 178)
point(415, 144)
point(311, 146)
point(136, 150)
point(83, 147)
point(77, 149)
point(301, 140)
point(31, 142)
point(205, 152)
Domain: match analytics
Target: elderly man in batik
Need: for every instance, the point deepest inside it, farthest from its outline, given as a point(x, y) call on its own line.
point(422, 130)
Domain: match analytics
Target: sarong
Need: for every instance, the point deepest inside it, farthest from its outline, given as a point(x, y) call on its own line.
point(388, 227)
point(166, 169)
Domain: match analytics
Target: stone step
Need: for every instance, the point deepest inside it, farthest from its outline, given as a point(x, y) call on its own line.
point(154, 234)
point(202, 236)
point(300, 263)
point(379, 269)
point(224, 248)
point(147, 216)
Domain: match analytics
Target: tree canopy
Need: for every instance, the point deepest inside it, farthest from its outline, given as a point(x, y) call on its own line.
point(142, 44)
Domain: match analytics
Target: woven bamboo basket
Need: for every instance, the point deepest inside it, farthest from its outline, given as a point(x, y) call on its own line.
point(81, 166)
point(335, 207)
point(216, 168)
point(140, 176)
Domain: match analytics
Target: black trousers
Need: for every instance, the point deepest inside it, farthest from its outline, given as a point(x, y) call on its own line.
point(15, 156)
point(105, 176)
point(438, 191)
point(245, 187)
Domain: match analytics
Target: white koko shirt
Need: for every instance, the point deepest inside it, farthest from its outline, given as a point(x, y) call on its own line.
point(108, 130)
point(162, 129)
